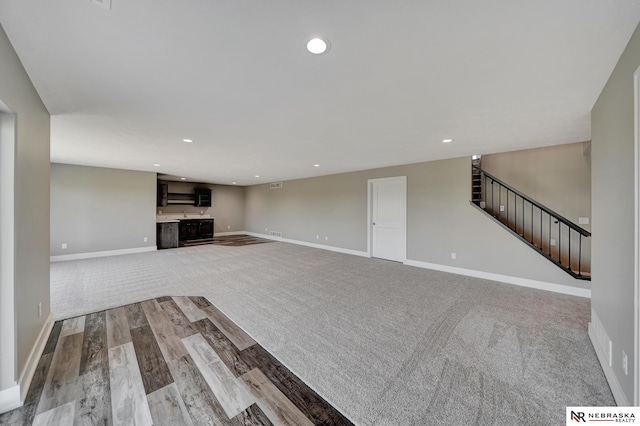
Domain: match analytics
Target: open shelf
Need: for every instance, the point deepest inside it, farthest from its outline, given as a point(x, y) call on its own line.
point(200, 197)
point(180, 198)
point(180, 202)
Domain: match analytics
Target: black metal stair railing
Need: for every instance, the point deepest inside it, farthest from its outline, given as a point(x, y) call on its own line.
point(553, 236)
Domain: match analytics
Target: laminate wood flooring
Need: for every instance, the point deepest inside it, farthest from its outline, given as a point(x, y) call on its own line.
point(165, 361)
point(239, 240)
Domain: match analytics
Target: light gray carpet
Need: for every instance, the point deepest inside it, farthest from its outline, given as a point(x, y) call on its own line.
point(386, 344)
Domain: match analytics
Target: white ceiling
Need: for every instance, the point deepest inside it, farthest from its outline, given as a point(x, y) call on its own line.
point(125, 86)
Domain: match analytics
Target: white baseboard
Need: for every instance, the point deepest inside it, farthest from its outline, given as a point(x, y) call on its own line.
point(34, 357)
point(14, 396)
point(10, 398)
point(540, 285)
point(524, 282)
point(106, 253)
point(601, 352)
point(307, 244)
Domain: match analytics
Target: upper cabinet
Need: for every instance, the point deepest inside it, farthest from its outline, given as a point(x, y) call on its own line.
point(170, 193)
point(202, 197)
point(163, 194)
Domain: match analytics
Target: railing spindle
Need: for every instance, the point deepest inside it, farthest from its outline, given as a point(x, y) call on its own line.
point(580, 256)
point(500, 203)
point(549, 238)
point(523, 219)
point(559, 243)
point(515, 214)
point(493, 210)
point(484, 191)
point(569, 248)
point(521, 233)
point(507, 210)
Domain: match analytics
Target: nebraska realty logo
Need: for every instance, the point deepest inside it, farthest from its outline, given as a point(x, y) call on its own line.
point(602, 414)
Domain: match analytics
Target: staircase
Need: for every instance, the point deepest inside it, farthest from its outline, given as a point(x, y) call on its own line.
point(476, 180)
point(565, 244)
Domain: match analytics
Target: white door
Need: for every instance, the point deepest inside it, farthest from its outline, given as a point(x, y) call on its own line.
point(388, 218)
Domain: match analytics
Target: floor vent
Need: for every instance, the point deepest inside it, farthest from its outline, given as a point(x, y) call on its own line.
point(276, 185)
point(276, 234)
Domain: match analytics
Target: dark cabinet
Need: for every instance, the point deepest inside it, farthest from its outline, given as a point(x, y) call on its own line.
point(206, 228)
point(167, 235)
point(194, 230)
point(163, 195)
point(190, 229)
point(202, 197)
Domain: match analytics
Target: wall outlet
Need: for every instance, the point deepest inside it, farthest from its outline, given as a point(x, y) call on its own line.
point(228, 226)
point(454, 256)
point(552, 241)
point(625, 364)
point(265, 229)
point(145, 239)
point(40, 310)
point(326, 238)
point(64, 246)
point(317, 237)
point(501, 208)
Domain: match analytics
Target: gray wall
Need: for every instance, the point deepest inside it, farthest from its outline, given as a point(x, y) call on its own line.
point(557, 176)
point(31, 226)
point(227, 205)
point(440, 219)
point(612, 163)
point(99, 209)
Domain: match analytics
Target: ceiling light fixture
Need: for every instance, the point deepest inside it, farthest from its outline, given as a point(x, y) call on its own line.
point(257, 175)
point(233, 183)
point(316, 165)
point(318, 45)
point(447, 140)
point(187, 140)
point(156, 165)
point(183, 178)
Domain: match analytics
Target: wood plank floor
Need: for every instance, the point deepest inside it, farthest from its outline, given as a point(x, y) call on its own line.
point(239, 240)
point(164, 361)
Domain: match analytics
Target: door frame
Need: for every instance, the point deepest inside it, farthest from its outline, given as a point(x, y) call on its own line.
point(370, 183)
point(636, 257)
point(10, 396)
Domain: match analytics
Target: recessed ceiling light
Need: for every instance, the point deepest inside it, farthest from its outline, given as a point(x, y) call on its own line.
point(318, 45)
point(187, 140)
point(257, 175)
point(447, 140)
point(156, 165)
point(316, 165)
point(233, 183)
point(183, 178)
